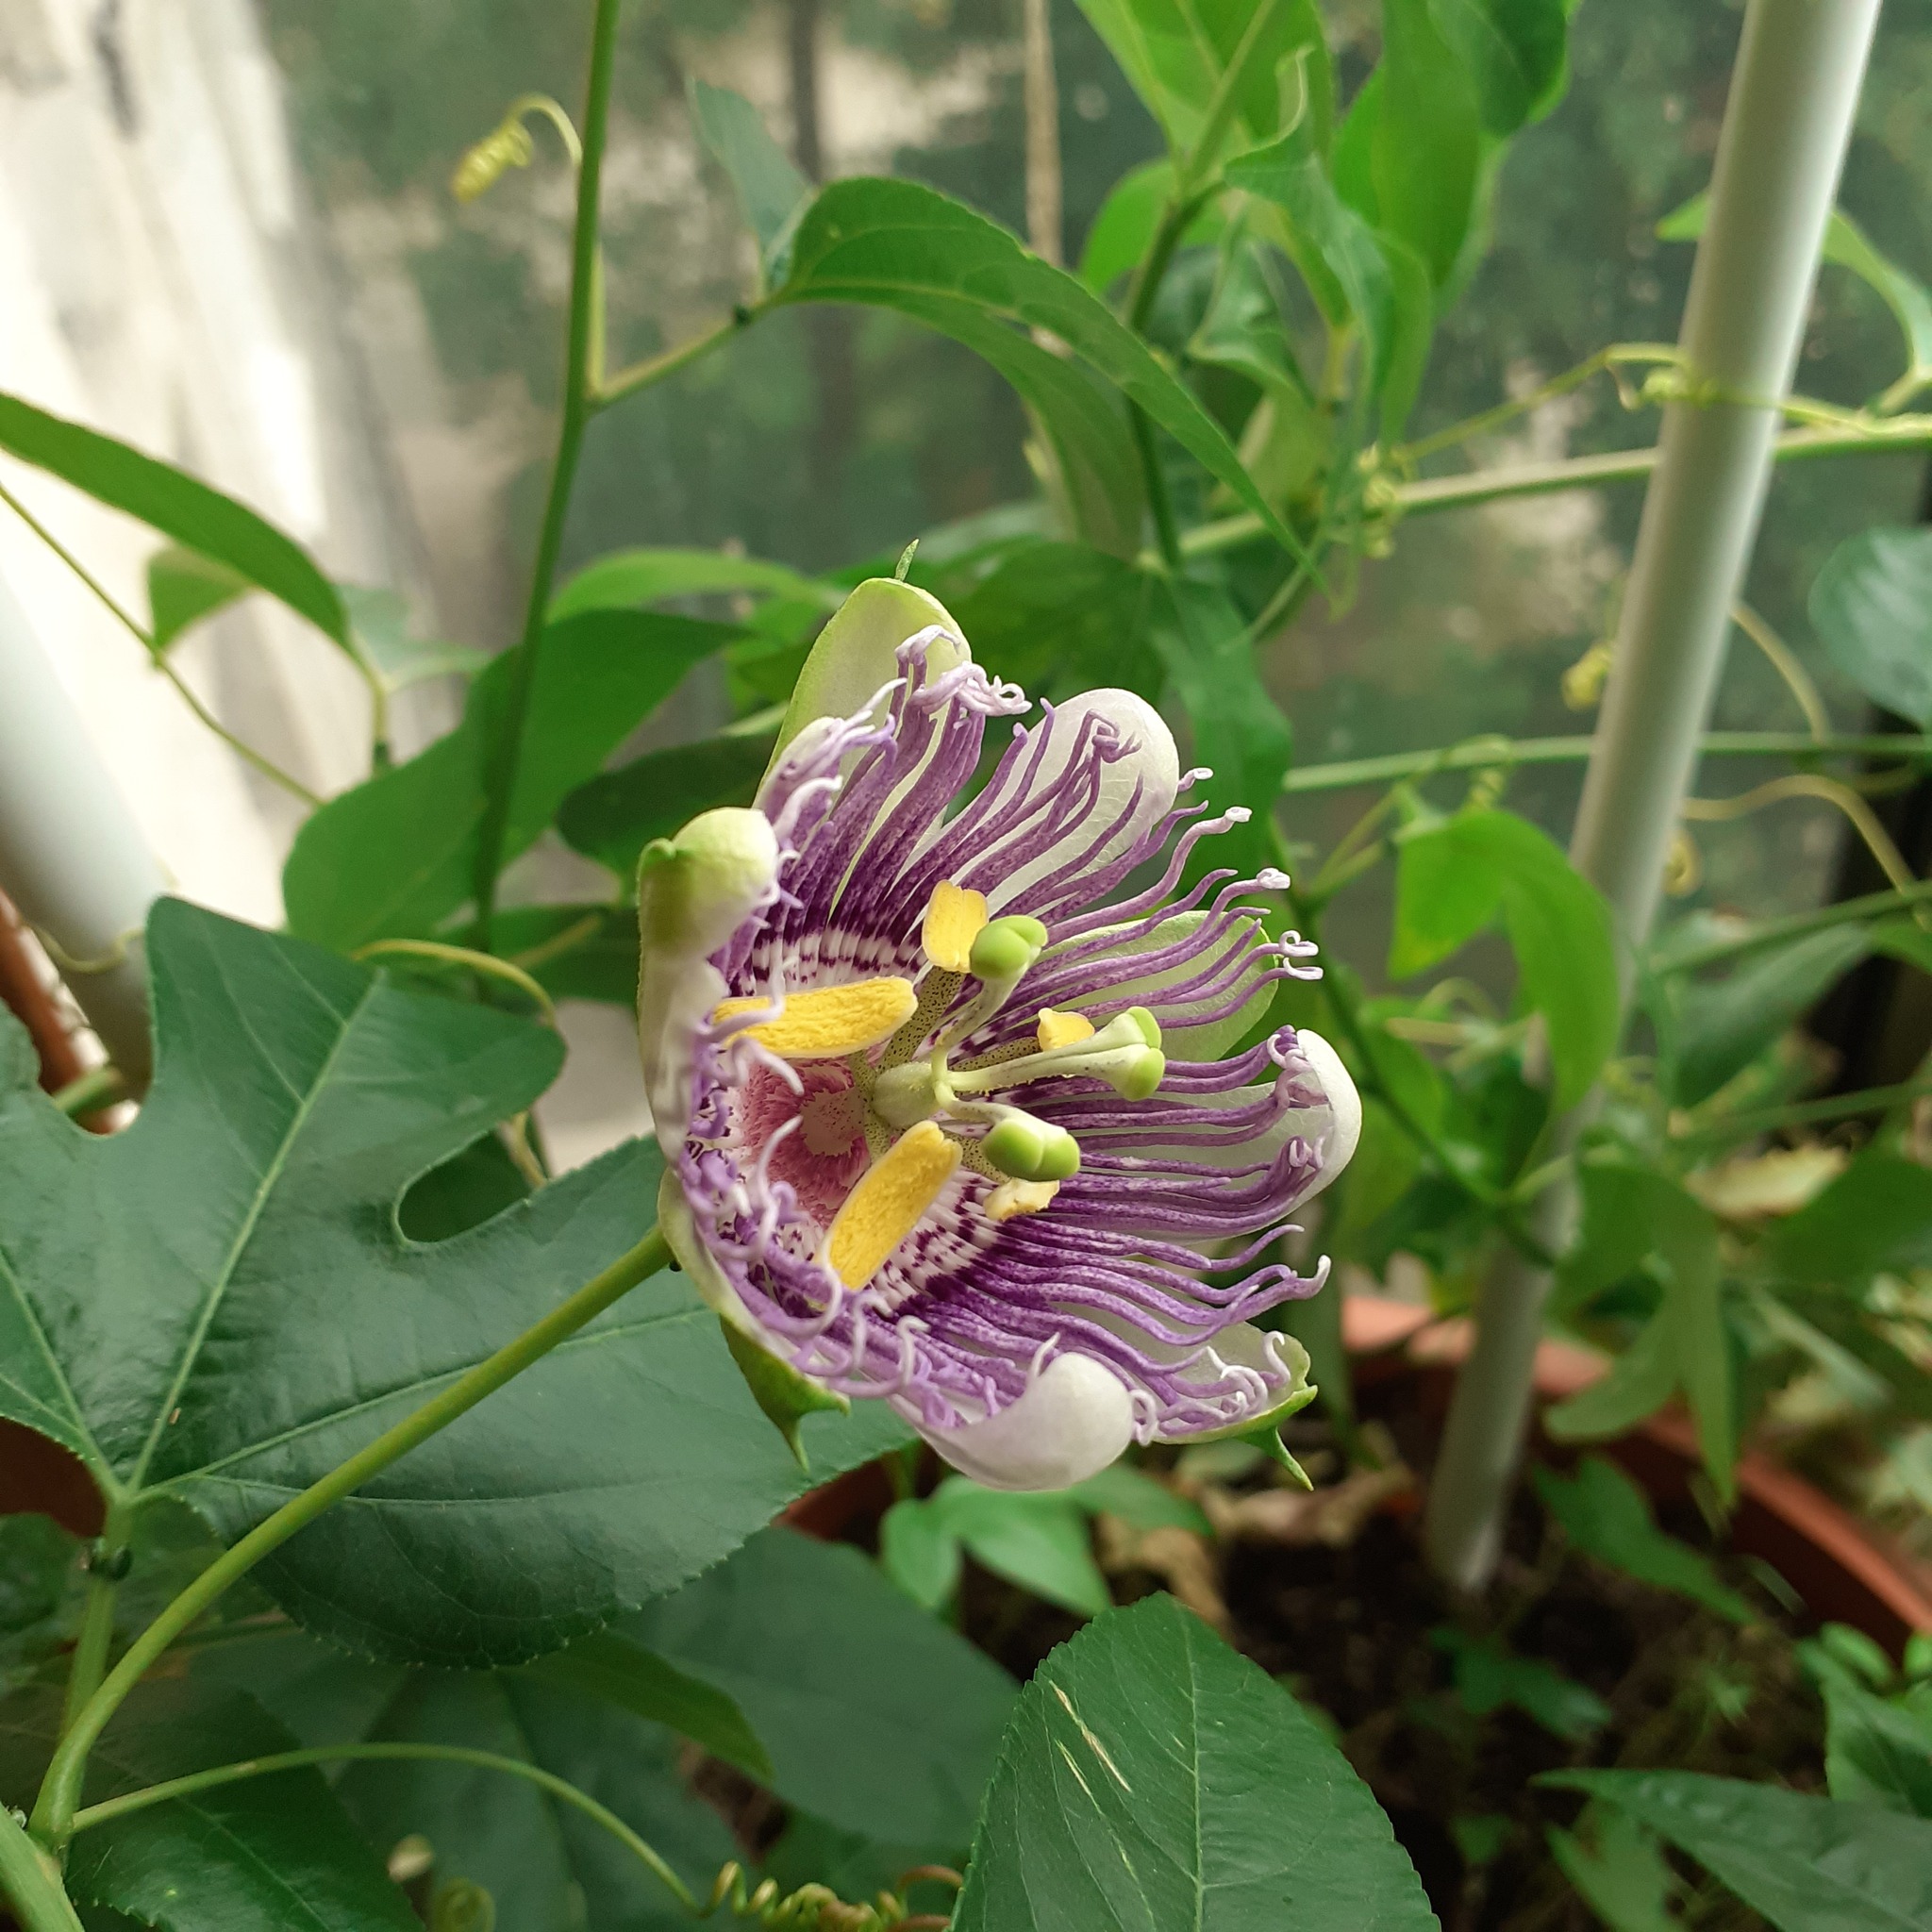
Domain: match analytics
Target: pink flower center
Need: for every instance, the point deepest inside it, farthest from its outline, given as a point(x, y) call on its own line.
point(822, 1158)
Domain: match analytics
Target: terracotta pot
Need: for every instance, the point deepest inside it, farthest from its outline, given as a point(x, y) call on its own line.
point(1846, 1571)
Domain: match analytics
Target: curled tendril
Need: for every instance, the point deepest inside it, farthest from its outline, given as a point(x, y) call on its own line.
point(501, 148)
point(1583, 683)
point(817, 1909)
point(1683, 865)
point(508, 145)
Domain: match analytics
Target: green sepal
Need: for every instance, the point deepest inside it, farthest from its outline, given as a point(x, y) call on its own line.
point(857, 653)
point(1268, 1441)
point(1260, 1429)
point(785, 1396)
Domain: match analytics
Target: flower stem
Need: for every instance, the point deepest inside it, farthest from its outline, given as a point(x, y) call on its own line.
point(579, 384)
point(1786, 126)
point(52, 1819)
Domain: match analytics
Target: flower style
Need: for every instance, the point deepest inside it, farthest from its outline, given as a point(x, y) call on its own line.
point(947, 1121)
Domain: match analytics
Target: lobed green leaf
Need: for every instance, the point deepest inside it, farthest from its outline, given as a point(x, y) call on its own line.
point(218, 1306)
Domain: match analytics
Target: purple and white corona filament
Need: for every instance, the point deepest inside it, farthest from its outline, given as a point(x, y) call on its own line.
point(942, 1092)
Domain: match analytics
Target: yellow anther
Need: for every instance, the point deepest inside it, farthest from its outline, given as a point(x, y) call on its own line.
point(887, 1205)
point(1013, 1198)
point(955, 917)
point(829, 1022)
point(1062, 1029)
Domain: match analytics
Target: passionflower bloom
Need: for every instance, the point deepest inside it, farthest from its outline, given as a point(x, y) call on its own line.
point(945, 1077)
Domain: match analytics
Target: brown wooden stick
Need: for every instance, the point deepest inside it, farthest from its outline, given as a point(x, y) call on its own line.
point(22, 989)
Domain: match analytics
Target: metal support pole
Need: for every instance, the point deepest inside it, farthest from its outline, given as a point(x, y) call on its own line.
point(1786, 126)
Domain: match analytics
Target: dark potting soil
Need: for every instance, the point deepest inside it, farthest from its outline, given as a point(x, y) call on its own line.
point(1362, 1631)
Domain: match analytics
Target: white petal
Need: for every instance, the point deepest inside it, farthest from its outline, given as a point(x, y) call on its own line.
point(1344, 1107)
point(1333, 1124)
point(1241, 1345)
point(857, 653)
point(676, 994)
point(693, 893)
point(1152, 766)
point(1071, 1423)
point(1116, 982)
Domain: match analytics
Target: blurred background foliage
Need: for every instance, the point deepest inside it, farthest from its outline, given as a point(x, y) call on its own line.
point(828, 435)
point(827, 438)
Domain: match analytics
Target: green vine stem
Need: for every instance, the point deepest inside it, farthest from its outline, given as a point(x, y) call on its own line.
point(1871, 436)
point(30, 1881)
point(54, 1811)
point(581, 381)
point(1613, 359)
point(1799, 1113)
point(100, 1087)
point(651, 369)
point(1786, 126)
point(245, 751)
point(1183, 203)
point(106, 1562)
point(1480, 753)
